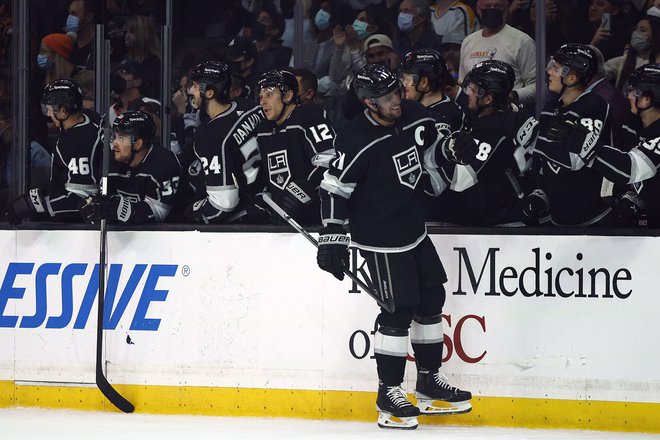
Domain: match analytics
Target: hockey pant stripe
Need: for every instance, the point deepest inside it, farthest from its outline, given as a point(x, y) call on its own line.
point(428, 331)
point(393, 344)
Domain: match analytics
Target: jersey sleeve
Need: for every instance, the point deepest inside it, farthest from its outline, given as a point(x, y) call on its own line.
point(319, 147)
point(634, 166)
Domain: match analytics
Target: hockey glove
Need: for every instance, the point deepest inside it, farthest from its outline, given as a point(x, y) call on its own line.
point(194, 212)
point(100, 207)
point(536, 205)
point(332, 255)
point(295, 198)
point(461, 148)
point(26, 206)
point(629, 208)
point(572, 136)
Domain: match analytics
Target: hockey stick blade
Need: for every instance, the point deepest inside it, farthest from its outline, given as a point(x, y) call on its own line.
point(387, 305)
point(112, 395)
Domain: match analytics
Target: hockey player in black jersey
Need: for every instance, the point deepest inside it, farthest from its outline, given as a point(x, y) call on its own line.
point(143, 179)
point(76, 162)
point(424, 76)
point(226, 146)
point(574, 191)
point(637, 165)
point(296, 143)
point(376, 183)
point(485, 164)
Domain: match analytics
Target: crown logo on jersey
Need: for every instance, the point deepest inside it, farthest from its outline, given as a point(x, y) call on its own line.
point(278, 169)
point(408, 167)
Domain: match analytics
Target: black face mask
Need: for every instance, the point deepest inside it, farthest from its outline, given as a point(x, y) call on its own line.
point(258, 31)
point(492, 18)
point(117, 83)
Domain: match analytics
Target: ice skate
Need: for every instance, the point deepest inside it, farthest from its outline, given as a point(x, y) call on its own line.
point(394, 409)
point(436, 397)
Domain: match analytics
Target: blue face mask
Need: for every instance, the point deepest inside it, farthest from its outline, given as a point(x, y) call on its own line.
point(322, 20)
point(72, 23)
point(361, 29)
point(405, 21)
point(43, 61)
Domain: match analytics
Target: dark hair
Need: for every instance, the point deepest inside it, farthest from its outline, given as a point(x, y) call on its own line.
point(276, 18)
point(630, 62)
point(307, 79)
point(377, 16)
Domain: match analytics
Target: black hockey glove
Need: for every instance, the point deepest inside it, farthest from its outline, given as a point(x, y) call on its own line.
point(332, 255)
point(569, 135)
point(629, 207)
point(193, 212)
point(100, 207)
point(536, 205)
point(295, 197)
point(461, 148)
point(26, 206)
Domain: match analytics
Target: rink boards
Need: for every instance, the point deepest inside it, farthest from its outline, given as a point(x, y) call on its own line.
point(554, 331)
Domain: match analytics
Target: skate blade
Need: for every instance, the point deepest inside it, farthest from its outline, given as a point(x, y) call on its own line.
point(388, 421)
point(441, 408)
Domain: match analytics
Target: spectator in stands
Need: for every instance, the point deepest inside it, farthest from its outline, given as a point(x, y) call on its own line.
point(142, 42)
point(416, 30)
point(54, 57)
point(81, 27)
point(644, 48)
point(317, 53)
point(611, 35)
point(499, 41)
point(242, 55)
point(377, 22)
point(307, 85)
point(454, 17)
point(127, 84)
point(267, 31)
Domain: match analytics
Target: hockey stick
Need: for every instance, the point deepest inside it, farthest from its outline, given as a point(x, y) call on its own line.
point(103, 62)
point(387, 305)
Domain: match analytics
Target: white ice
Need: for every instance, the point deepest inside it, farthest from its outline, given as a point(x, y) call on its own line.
point(30, 423)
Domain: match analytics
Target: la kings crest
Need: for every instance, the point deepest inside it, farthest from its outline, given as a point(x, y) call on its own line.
point(408, 167)
point(278, 169)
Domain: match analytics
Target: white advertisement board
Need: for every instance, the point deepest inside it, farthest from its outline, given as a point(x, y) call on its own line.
point(525, 316)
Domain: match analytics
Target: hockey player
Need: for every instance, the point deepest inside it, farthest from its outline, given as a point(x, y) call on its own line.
point(425, 75)
point(639, 165)
point(143, 179)
point(76, 162)
point(226, 145)
point(296, 142)
point(487, 163)
point(574, 192)
point(375, 182)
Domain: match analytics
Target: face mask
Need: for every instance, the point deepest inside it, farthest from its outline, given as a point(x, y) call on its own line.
point(117, 83)
point(639, 42)
point(655, 11)
point(259, 31)
point(405, 21)
point(129, 40)
point(361, 29)
point(492, 18)
point(43, 61)
point(72, 24)
point(322, 20)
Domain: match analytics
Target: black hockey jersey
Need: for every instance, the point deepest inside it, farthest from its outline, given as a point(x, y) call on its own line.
point(489, 189)
point(76, 168)
point(227, 149)
point(448, 115)
point(575, 192)
point(296, 154)
point(639, 166)
point(376, 181)
point(148, 191)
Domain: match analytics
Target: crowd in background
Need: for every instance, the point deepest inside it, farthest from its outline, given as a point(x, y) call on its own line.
point(339, 38)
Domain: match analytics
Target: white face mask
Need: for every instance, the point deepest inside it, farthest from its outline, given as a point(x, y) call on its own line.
point(654, 11)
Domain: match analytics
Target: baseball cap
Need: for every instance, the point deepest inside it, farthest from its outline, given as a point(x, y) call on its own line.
point(59, 43)
point(377, 40)
point(241, 46)
point(131, 66)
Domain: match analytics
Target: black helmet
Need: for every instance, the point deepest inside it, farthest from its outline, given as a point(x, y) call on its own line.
point(579, 59)
point(646, 80)
point(492, 76)
point(426, 62)
point(63, 92)
point(136, 123)
point(283, 80)
point(374, 81)
point(213, 74)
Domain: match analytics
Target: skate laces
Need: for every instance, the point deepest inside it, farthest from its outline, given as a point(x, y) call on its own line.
point(398, 397)
point(442, 381)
